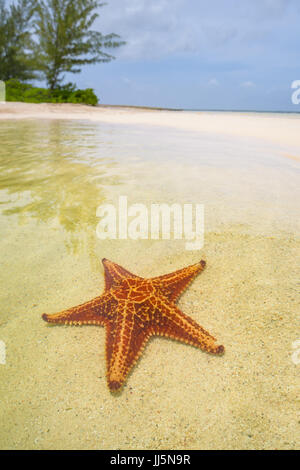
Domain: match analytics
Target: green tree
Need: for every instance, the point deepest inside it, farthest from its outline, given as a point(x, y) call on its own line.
point(65, 39)
point(16, 45)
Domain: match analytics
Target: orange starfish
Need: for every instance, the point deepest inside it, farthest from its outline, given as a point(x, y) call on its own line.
point(132, 309)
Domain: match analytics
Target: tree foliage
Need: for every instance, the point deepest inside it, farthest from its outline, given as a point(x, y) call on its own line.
point(16, 44)
point(66, 40)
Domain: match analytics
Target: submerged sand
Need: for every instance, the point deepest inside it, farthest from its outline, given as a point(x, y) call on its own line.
point(53, 389)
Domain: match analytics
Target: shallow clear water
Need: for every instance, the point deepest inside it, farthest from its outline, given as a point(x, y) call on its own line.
point(58, 172)
point(54, 175)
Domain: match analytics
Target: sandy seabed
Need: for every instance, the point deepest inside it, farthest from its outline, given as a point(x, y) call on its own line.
point(53, 389)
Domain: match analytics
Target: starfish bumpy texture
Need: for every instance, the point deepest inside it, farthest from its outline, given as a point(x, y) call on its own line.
point(132, 309)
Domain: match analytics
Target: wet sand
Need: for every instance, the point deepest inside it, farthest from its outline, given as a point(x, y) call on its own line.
point(53, 386)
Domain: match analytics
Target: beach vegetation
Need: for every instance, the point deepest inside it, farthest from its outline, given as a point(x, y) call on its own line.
point(65, 40)
point(44, 40)
point(24, 92)
point(16, 42)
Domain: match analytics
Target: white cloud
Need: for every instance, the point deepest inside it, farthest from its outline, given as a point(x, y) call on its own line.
point(248, 84)
point(215, 31)
point(213, 82)
point(159, 28)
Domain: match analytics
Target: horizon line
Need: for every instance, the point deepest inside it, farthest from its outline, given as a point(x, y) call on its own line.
point(162, 108)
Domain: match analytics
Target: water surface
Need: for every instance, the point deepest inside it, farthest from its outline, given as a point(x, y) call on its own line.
point(54, 174)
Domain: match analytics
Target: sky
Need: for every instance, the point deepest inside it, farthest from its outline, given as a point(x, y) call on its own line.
point(199, 54)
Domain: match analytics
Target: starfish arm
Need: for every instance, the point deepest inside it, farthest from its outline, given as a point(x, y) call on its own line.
point(95, 312)
point(173, 323)
point(172, 285)
point(132, 309)
point(114, 274)
point(125, 340)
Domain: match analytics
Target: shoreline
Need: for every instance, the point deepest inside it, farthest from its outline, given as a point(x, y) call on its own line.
point(143, 108)
point(162, 108)
point(158, 108)
point(281, 129)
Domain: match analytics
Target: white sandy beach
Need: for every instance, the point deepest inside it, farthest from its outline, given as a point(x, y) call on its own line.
point(279, 128)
